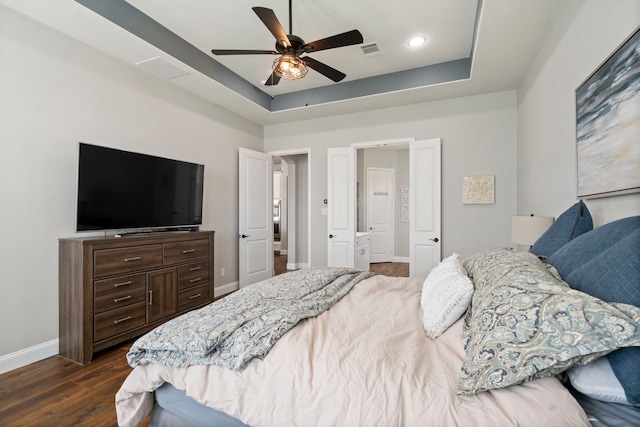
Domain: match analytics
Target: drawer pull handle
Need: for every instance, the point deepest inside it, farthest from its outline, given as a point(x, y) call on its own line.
point(117, 285)
point(115, 322)
point(195, 268)
point(195, 296)
point(135, 258)
point(197, 279)
point(188, 251)
point(150, 297)
point(122, 299)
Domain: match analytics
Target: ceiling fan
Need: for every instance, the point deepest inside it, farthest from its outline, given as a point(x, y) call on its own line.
point(291, 65)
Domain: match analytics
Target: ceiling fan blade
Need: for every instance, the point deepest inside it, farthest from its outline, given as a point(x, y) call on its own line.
point(339, 40)
point(324, 69)
point(269, 19)
point(273, 80)
point(242, 52)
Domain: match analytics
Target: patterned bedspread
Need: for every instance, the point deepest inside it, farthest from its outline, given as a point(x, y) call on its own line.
point(246, 324)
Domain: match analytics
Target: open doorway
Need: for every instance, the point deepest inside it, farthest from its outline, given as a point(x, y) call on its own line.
point(424, 204)
point(291, 210)
point(382, 203)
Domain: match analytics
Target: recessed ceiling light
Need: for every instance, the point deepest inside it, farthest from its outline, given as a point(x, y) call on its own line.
point(416, 41)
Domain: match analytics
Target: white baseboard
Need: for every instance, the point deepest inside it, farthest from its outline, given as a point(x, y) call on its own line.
point(225, 289)
point(29, 355)
point(283, 252)
point(298, 266)
point(400, 259)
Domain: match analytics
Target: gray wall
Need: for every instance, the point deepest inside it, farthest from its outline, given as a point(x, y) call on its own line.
point(478, 138)
point(583, 35)
point(55, 92)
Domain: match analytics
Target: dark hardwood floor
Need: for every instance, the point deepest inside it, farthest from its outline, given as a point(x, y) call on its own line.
point(393, 269)
point(58, 392)
point(279, 263)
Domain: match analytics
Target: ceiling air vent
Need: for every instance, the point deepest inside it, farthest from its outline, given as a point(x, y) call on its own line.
point(371, 49)
point(161, 68)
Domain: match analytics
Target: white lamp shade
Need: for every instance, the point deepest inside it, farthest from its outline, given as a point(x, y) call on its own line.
point(525, 230)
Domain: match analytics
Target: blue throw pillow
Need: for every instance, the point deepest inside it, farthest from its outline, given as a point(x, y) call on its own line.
point(570, 224)
point(613, 275)
point(605, 263)
point(586, 247)
point(624, 363)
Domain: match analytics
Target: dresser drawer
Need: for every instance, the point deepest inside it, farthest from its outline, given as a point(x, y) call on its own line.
point(193, 297)
point(109, 262)
point(120, 299)
point(120, 320)
point(106, 287)
point(192, 250)
point(193, 274)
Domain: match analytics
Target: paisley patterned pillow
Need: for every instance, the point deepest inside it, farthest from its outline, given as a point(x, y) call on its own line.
point(478, 261)
point(525, 323)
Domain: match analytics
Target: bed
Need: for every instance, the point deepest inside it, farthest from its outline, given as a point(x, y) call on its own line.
point(491, 339)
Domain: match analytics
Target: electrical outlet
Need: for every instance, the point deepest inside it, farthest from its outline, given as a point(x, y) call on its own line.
point(222, 272)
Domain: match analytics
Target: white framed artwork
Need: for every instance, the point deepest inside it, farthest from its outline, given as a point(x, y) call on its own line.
point(478, 190)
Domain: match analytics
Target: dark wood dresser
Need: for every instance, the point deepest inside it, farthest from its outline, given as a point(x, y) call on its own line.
point(114, 289)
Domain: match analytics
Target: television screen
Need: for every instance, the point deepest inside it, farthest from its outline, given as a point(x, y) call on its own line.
point(122, 190)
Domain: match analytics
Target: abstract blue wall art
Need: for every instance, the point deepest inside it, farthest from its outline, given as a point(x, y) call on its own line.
point(608, 125)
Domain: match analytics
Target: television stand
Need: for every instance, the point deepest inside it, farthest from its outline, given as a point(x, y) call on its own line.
point(112, 290)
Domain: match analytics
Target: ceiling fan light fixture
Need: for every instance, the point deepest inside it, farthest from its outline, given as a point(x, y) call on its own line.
point(289, 67)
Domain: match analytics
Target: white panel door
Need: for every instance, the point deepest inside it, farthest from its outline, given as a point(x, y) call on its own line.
point(341, 221)
point(255, 232)
point(380, 214)
point(424, 206)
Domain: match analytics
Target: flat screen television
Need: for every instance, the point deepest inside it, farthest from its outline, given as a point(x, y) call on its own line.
point(126, 191)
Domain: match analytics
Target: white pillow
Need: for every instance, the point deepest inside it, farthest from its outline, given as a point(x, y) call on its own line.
point(446, 294)
point(597, 380)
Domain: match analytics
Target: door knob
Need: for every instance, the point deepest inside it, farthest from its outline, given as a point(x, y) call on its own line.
point(243, 236)
point(331, 236)
point(435, 239)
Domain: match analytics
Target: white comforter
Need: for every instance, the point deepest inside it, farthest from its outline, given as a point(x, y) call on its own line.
point(364, 362)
